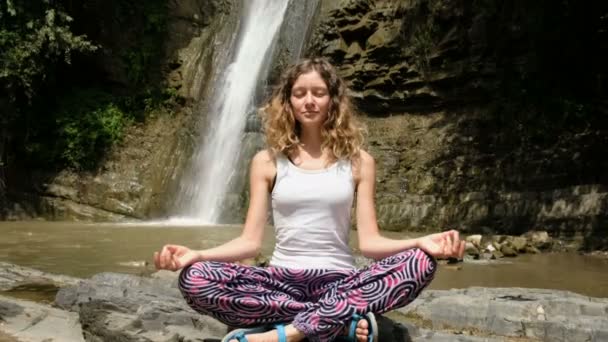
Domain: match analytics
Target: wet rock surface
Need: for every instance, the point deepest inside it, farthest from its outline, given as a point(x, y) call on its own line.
point(29, 321)
point(536, 314)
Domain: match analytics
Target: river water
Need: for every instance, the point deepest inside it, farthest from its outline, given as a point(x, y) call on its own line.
point(81, 250)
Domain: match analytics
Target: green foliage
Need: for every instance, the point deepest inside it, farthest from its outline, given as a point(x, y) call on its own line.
point(143, 57)
point(32, 37)
point(88, 127)
point(419, 31)
point(53, 126)
point(422, 44)
point(85, 124)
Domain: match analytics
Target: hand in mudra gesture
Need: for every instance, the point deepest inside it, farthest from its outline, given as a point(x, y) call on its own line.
point(443, 245)
point(174, 257)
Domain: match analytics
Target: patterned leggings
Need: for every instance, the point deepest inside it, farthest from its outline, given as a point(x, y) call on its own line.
point(318, 302)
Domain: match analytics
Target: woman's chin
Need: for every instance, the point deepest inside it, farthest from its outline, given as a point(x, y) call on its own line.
point(311, 119)
point(311, 123)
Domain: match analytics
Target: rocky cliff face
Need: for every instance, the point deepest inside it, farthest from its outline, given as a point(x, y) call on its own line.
point(132, 182)
point(485, 116)
point(469, 125)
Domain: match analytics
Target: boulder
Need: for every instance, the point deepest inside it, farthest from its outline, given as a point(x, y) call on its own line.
point(121, 307)
point(15, 276)
point(30, 321)
point(514, 313)
point(539, 239)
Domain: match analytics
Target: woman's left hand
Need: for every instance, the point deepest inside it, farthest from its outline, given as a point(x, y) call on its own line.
point(443, 245)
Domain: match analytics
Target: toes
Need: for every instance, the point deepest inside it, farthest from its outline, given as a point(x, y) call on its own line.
point(362, 332)
point(362, 335)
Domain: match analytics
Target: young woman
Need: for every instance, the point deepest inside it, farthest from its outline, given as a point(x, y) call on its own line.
point(313, 170)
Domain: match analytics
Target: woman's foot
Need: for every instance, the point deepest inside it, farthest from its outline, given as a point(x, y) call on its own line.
point(362, 331)
point(294, 335)
point(291, 333)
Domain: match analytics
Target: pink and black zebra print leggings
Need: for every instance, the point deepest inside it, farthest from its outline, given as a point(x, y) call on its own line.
point(318, 302)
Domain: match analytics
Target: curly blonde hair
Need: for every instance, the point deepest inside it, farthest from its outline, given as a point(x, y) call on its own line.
point(342, 133)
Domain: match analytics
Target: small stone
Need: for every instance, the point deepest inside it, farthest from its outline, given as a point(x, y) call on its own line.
point(531, 250)
point(539, 239)
point(470, 258)
point(497, 255)
point(508, 251)
point(471, 250)
point(497, 245)
point(519, 243)
point(453, 260)
point(474, 239)
point(540, 310)
point(485, 256)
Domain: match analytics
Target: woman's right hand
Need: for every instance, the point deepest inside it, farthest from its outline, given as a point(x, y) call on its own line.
point(443, 245)
point(175, 257)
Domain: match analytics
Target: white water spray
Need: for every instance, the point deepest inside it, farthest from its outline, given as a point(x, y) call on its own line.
point(202, 194)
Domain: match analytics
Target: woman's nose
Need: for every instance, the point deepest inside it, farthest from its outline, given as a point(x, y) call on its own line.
point(309, 99)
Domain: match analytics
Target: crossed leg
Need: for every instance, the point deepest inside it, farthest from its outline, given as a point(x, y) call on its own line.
point(319, 302)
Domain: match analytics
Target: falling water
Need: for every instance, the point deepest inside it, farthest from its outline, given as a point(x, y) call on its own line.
point(202, 194)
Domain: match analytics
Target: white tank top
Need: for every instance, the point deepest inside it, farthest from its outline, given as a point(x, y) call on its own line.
point(311, 211)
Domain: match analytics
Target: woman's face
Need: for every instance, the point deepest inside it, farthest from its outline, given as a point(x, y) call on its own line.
point(310, 99)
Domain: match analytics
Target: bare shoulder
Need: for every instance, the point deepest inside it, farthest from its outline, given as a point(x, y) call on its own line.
point(363, 166)
point(263, 163)
point(263, 156)
point(366, 158)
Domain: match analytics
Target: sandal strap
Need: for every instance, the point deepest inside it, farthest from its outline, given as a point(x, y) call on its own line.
point(352, 332)
point(281, 331)
point(371, 337)
point(241, 337)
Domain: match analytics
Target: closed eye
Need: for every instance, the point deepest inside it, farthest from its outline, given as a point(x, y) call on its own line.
point(316, 91)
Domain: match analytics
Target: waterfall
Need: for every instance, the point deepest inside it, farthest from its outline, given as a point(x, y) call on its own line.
point(203, 191)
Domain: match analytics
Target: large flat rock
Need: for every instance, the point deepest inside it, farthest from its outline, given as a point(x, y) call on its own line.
point(535, 314)
point(27, 321)
point(12, 276)
point(122, 307)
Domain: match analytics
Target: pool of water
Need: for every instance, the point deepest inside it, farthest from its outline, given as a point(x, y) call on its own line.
point(83, 249)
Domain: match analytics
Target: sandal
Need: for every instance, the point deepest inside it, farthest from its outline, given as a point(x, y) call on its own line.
point(373, 327)
point(241, 334)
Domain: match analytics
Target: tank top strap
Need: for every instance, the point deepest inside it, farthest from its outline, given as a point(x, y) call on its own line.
point(345, 167)
point(282, 166)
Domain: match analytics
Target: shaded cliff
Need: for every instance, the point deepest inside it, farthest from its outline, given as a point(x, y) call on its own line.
point(483, 115)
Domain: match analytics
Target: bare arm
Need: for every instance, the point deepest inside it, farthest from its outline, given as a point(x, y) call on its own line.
point(248, 244)
point(371, 243)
